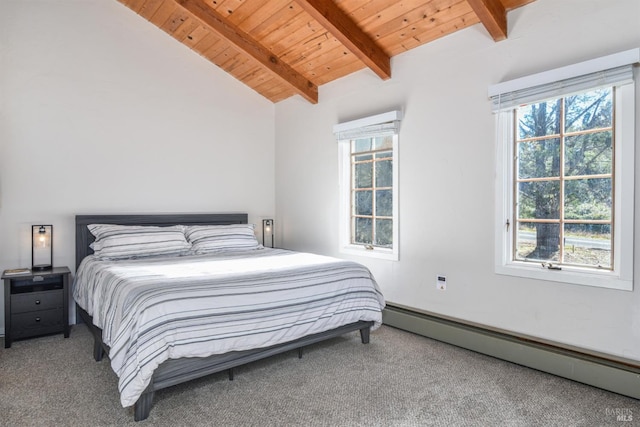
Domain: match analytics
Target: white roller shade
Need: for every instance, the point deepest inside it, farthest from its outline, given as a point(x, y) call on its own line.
point(611, 70)
point(378, 125)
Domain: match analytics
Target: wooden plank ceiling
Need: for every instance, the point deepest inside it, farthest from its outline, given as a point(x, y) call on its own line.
point(282, 48)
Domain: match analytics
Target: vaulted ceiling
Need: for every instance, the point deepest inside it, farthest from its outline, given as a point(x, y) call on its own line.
point(282, 48)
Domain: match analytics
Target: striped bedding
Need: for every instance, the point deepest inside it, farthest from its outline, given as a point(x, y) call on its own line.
point(160, 308)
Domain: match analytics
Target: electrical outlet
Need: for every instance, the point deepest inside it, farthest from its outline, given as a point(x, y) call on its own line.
point(441, 283)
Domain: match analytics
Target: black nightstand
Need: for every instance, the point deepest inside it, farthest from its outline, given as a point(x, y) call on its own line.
point(36, 303)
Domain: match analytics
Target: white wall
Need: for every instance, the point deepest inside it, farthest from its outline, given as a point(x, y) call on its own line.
point(101, 112)
point(447, 163)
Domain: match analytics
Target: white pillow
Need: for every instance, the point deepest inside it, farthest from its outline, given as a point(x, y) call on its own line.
point(133, 241)
point(207, 239)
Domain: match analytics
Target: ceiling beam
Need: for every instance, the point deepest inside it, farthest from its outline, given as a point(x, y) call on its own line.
point(493, 16)
point(343, 28)
point(252, 47)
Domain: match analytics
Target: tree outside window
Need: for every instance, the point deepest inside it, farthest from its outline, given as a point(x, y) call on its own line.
point(563, 193)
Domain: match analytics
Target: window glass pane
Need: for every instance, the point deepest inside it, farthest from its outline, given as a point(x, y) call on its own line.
point(384, 203)
point(384, 155)
point(539, 159)
point(588, 154)
point(384, 232)
point(588, 199)
point(363, 175)
point(360, 145)
point(590, 110)
point(384, 173)
point(372, 191)
point(381, 142)
point(363, 157)
point(363, 231)
point(539, 119)
point(539, 200)
point(363, 203)
point(538, 241)
point(588, 244)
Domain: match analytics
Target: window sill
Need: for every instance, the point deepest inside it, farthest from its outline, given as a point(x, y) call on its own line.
point(571, 275)
point(379, 253)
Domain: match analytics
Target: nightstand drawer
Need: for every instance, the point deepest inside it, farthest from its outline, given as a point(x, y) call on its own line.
point(36, 301)
point(36, 283)
point(36, 323)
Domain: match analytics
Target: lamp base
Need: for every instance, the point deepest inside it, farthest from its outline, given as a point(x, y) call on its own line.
point(41, 267)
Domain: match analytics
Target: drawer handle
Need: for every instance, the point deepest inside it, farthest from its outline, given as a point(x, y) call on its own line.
point(37, 302)
point(38, 278)
point(37, 319)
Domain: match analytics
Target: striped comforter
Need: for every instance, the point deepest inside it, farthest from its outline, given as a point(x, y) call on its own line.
point(151, 310)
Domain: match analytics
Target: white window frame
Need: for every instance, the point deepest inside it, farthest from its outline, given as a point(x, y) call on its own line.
point(621, 277)
point(345, 133)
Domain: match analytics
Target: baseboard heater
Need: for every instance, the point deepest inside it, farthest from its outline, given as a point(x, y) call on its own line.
point(608, 372)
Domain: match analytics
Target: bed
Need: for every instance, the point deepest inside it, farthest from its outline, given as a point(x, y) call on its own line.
point(167, 319)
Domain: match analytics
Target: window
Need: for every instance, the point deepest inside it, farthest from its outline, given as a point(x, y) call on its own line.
point(564, 194)
point(368, 185)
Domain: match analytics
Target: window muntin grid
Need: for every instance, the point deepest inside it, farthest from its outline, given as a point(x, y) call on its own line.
point(564, 175)
point(372, 191)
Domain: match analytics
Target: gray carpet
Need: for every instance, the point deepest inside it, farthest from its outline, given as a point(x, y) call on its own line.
point(399, 379)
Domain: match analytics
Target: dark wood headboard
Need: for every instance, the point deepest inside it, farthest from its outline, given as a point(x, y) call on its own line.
point(84, 238)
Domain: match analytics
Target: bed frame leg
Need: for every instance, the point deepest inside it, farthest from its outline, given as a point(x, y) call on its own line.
point(142, 407)
point(98, 351)
point(230, 372)
point(300, 350)
point(364, 335)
